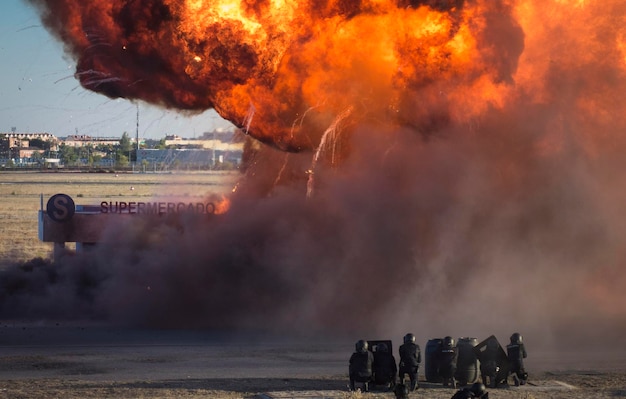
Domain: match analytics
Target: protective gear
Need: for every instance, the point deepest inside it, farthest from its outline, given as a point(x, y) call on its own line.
point(516, 338)
point(361, 346)
point(410, 359)
point(469, 393)
point(401, 391)
point(478, 389)
point(409, 339)
point(494, 364)
point(489, 370)
point(516, 353)
point(360, 368)
point(384, 367)
point(447, 360)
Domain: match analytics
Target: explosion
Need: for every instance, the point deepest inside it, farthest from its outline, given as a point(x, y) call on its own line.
point(470, 151)
point(284, 70)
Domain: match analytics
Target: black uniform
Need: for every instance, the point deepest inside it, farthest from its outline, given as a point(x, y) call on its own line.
point(360, 368)
point(384, 367)
point(401, 391)
point(447, 359)
point(489, 366)
point(466, 393)
point(410, 359)
point(516, 352)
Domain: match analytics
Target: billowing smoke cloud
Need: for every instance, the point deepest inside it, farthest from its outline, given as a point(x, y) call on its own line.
point(489, 201)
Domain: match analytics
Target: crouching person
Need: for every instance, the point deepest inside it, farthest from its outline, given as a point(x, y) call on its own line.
point(401, 391)
point(477, 390)
point(489, 367)
point(447, 359)
point(360, 368)
point(516, 353)
point(410, 359)
point(384, 367)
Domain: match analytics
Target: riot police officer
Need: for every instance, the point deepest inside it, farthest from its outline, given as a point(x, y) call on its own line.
point(516, 353)
point(384, 367)
point(447, 358)
point(489, 365)
point(360, 368)
point(477, 390)
point(410, 359)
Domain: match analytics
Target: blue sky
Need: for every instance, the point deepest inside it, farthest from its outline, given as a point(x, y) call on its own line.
point(38, 91)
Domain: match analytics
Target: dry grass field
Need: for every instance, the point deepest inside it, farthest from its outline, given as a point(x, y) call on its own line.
point(22, 195)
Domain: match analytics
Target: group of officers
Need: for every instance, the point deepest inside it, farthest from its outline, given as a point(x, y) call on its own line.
point(377, 366)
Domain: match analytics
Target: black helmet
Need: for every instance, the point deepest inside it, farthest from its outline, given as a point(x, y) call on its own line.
point(361, 346)
point(409, 339)
point(478, 389)
point(381, 347)
point(516, 338)
point(448, 342)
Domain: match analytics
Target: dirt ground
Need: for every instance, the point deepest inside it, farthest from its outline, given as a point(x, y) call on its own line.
point(86, 361)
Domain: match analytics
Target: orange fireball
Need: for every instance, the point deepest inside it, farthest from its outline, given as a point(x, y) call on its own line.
point(284, 70)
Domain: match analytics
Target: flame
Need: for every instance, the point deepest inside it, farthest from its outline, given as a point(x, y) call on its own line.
point(222, 205)
point(297, 64)
point(286, 71)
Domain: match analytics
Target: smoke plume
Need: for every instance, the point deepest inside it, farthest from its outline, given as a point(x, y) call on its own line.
point(451, 168)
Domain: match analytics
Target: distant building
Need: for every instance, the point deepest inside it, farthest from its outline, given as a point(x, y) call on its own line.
point(13, 145)
point(13, 136)
point(212, 149)
point(200, 158)
point(217, 145)
point(76, 140)
point(28, 152)
point(218, 140)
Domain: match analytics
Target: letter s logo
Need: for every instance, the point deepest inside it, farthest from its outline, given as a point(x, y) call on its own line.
point(60, 207)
